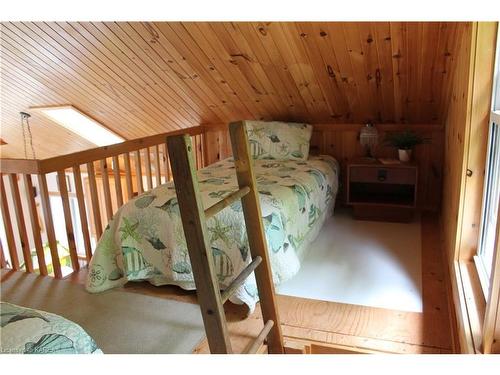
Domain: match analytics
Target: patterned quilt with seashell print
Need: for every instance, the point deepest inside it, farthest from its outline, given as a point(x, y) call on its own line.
point(30, 331)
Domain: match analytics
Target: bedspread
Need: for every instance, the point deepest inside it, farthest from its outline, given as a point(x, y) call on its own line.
point(145, 239)
point(30, 331)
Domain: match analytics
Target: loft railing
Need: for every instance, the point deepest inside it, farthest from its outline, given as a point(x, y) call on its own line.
point(54, 210)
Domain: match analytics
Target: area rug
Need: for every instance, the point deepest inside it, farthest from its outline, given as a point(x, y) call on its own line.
point(365, 263)
point(119, 321)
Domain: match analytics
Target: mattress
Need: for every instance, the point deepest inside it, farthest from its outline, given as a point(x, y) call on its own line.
point(145, 239)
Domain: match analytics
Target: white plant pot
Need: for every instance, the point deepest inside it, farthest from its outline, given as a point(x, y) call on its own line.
point(404, 155)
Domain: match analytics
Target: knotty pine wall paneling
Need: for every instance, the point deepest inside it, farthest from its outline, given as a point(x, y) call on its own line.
point(342, 142)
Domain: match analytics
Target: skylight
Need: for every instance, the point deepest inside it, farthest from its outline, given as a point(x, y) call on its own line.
point(81, 124)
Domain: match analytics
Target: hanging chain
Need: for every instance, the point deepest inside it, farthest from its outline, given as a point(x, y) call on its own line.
point(24, 135)
point(30, 137)
point(27, 136)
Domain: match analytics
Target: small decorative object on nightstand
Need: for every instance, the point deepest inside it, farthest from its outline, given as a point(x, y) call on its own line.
point(368, 137)
point(405, 142)
point(382, 190)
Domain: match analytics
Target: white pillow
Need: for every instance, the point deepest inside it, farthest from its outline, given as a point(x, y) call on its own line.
point(279, 140)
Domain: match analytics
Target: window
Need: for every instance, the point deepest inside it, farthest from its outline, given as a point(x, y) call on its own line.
point(490, 205)
point(81, 124)
point(491, 195)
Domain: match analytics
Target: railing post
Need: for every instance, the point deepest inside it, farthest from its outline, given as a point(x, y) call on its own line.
point(49, 225)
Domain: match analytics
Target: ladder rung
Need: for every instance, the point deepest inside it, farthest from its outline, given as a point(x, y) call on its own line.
point(219, 206)
point(240, 279)
point(255, 345)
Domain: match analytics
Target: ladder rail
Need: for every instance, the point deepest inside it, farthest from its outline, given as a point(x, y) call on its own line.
point(194, 217)
point(227, 201)
point(240, 279)
point(200, 255)
point(255, 232)
point(254, 346)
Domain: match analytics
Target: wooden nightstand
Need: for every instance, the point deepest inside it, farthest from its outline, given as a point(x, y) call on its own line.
point(384, 192)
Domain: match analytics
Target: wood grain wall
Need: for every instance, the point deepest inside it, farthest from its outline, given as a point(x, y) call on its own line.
point(455, 134)
point(144, 78)
point(342, 142)
point(466, 124)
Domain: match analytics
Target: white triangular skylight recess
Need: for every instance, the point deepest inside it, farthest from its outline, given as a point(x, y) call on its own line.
point(81, 124)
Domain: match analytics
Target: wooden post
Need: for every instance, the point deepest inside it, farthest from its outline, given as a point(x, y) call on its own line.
point(94, 199)
point(149, 176)
point(138, 171)
point(21, 224)
point(166, 163)
point(202, 150)
point(7, 222)
point(106, 189)
point(200, 253)
point(49, 225)
point(128, 176)
point(255, 232)
point(70, 233)
point(82, 211)
point(118, 181)
point(157, 165)
point(3, 262)
point(35, 225)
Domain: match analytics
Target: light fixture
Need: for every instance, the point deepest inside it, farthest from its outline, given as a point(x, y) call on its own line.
point(81, 124)
point(368, 137)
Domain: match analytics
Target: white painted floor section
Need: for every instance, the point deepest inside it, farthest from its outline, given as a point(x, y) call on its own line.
point(363, 263)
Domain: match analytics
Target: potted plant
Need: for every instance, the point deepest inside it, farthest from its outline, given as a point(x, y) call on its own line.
point(404, 142)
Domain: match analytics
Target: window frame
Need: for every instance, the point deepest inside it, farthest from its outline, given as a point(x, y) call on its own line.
point(481, 266)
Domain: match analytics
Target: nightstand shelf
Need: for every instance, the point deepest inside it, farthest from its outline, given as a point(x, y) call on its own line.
point(386, 192)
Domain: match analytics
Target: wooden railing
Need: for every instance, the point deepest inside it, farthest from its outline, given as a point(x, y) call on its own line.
point(55, 210)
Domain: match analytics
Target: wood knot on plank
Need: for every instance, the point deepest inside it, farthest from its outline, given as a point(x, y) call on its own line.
point(243, 55)
point(154, 34)
point(331, 73)
point(256, 90)
point(378, 77)
point(370, 39)
point(322, 33)
point(262, 30)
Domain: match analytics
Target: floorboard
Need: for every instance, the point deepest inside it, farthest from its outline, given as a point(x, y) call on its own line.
point(354, 326)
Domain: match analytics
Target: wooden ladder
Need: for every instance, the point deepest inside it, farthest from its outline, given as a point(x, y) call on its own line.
point(194, 217)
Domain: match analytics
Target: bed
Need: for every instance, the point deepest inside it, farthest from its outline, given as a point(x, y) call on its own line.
point(145, 239)
point(30, 331)
point(43, 315)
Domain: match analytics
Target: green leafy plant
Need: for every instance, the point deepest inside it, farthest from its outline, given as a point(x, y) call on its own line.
point(405, 140)
point(64, 257)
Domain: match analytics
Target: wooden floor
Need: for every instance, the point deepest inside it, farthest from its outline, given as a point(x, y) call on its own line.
point(343, 325)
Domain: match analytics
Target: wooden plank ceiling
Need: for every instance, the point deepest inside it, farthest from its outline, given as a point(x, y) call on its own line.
point(145, 78)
